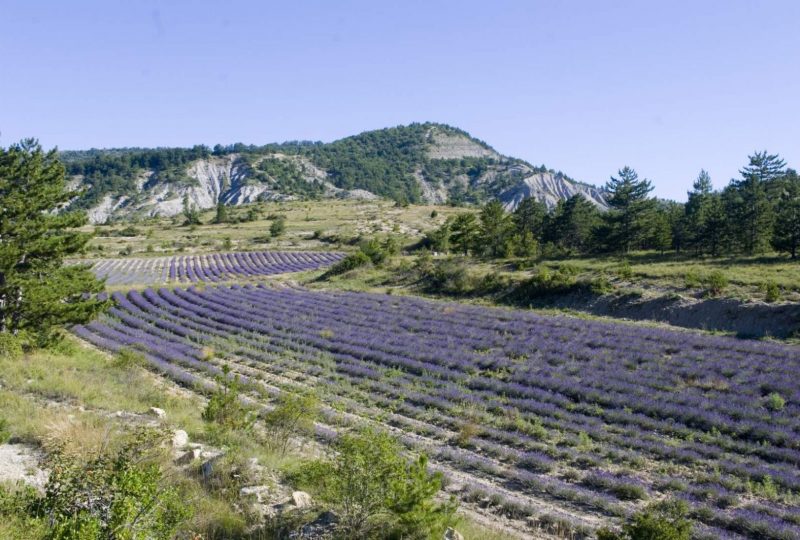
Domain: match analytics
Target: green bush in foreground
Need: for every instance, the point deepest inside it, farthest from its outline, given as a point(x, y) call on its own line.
point(117, 494)
point(378, 493)
point(664, 520)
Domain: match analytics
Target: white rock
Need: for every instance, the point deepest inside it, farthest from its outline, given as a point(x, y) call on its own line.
point(452, 534)
point(301, 499)
point(180, 438)
point(158, 413)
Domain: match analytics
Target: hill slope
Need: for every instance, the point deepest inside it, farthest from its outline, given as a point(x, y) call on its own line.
point(431, 163)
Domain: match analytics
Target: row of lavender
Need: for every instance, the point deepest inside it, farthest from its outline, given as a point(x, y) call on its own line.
point(210, 267)
point(586, 414)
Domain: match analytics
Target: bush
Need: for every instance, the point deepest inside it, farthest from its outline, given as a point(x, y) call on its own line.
point(376, 491)
point(772, 292)
point(716, 282)
point(665, 520)
point(351, 262)
point(116, 494)
point(775, 402)
point(224, 408)
point(278, 226)
point(293, 415)
point(692, 279)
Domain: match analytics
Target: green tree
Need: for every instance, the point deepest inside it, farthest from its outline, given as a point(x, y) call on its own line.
point(752, 210)
point(190, 212)
point(222, 213)
point(464, 232)
point(697, 213)
point(496, 228)
point(529, 217)
point(572, 224)
point(629, 210)
point(787, 219)
point(660, 236)
point(278, 226)
point(37, 290)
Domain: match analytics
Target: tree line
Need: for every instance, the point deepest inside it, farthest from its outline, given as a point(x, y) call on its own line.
point(754, 213)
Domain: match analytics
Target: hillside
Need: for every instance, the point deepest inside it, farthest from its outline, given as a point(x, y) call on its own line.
point(418, 163)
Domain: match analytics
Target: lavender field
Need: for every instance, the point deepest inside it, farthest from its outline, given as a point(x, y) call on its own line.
point(567, 423)
point(209, 267)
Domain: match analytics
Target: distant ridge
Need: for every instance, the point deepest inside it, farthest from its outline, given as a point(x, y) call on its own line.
point(418, 163)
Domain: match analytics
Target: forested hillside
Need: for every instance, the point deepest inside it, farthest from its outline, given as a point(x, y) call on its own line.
point(418, 163)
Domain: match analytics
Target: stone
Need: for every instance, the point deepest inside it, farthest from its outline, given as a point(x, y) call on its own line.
point(180, 438)
point(454, 487)
point(158, 413)
point(188, 457)
point(452, 534)
point(301, 499)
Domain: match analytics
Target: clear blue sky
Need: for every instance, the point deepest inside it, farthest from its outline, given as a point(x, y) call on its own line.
point(586, 87)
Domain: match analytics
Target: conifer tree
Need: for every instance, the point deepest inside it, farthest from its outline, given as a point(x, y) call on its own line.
point(496, 228)
point(787, 219)
point(629, 210)
point(464, 232)
point(697, 208)
point(752, 210)
point(37, 290)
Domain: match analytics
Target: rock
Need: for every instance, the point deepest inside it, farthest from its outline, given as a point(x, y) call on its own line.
point(188, 457)
point(301, 499)
point(322, 527)
point(452, 534)
point(158, 413)
point(20, 463)
point(180, 438)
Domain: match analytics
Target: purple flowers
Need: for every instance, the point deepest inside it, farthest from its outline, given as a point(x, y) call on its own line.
point(559, 402)
point(210, 267)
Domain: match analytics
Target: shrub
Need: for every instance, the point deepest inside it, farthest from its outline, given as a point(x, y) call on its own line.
point(775, 402)
point(772, 292)
point(224, 408)
point(376, 491)
point(351, 262)
point(665, 520)
point(624, 271)
point(294, 414)
point(115, 494)
point(128, 358)
point(716, 282)
point(692, 279)
point(278, 226)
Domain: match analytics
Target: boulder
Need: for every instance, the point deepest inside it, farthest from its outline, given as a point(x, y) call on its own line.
point(301, 499)
point(158, 413)
point(180, 438)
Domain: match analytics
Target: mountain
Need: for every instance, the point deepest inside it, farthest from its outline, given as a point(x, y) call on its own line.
point(418, 163)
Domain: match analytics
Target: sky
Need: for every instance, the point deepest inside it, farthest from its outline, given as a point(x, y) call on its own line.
point(586, 87)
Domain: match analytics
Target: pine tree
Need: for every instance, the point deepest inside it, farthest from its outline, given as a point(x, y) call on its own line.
point(697, 213)
point(629, 210)
point(496, 228)
point(37, 290)
point(752, 209)
point(222, 213)
point(572, 224)
point(787, 222)
point(464, 232)
point(529, 217)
